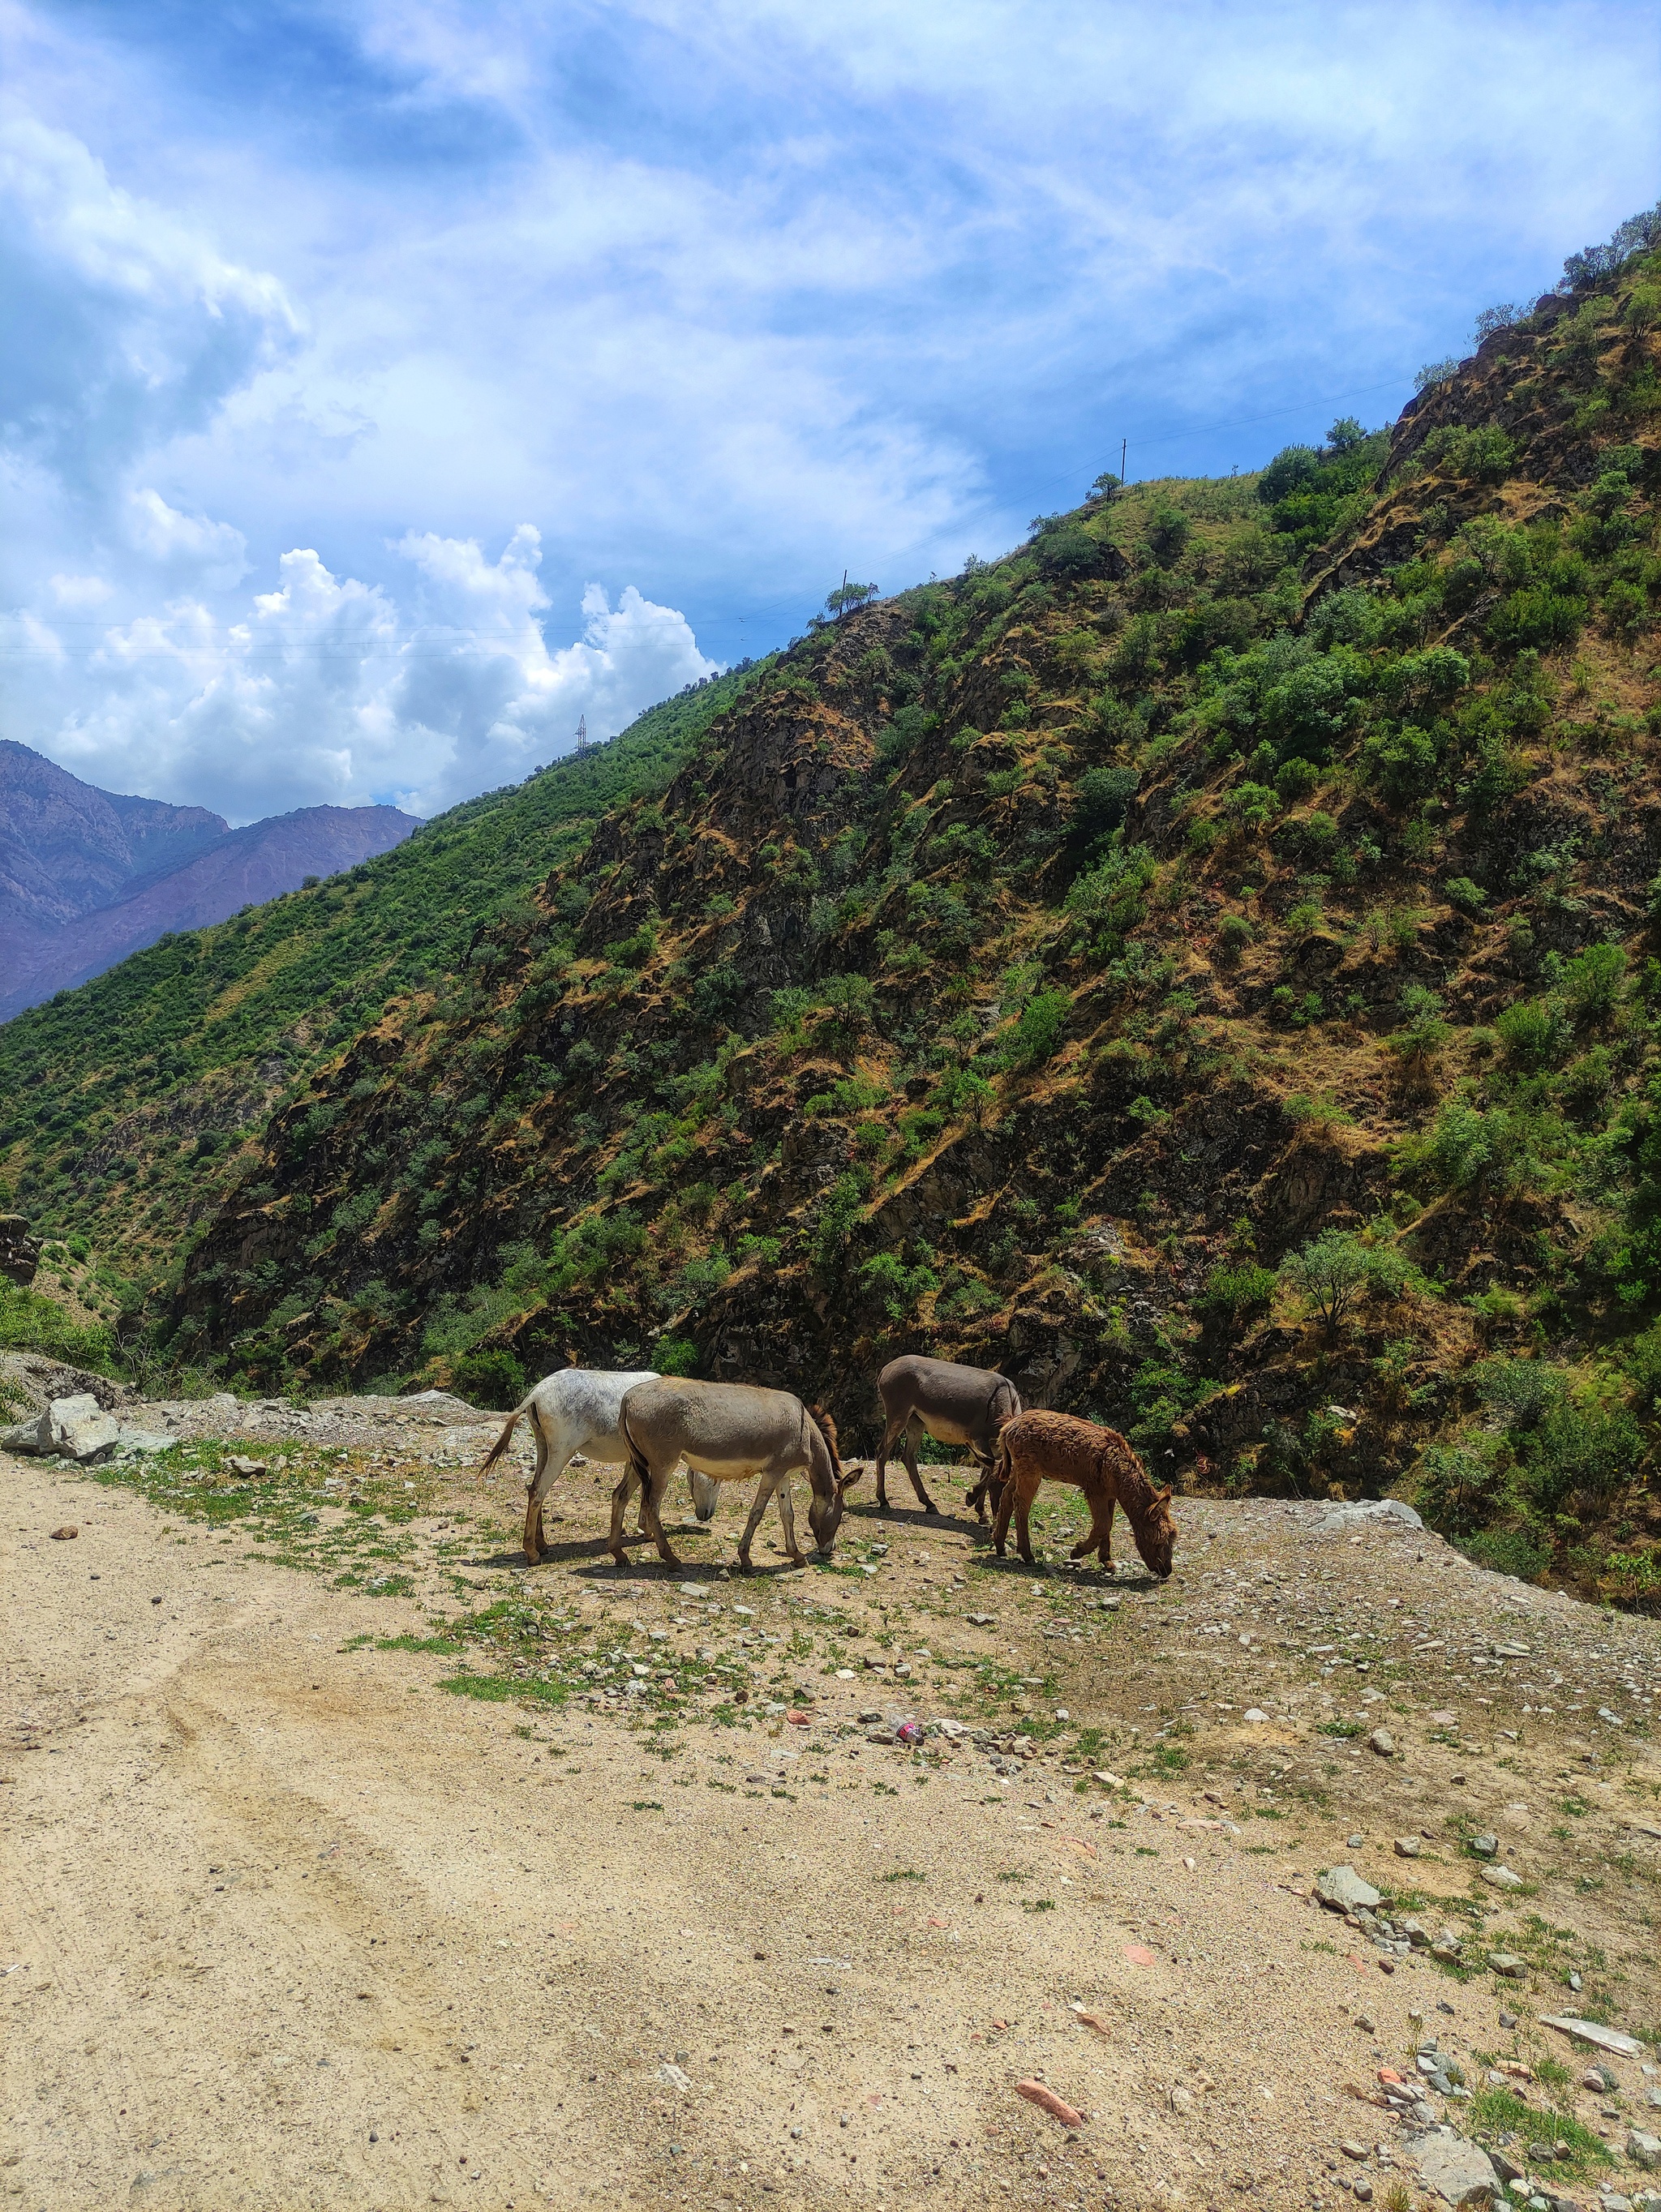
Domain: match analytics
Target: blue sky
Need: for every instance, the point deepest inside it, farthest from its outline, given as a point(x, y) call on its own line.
point(387, 384)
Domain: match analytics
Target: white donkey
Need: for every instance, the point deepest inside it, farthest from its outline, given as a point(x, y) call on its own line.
point(577, 1411)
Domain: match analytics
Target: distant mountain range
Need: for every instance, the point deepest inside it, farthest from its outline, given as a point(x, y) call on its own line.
point(89, 876)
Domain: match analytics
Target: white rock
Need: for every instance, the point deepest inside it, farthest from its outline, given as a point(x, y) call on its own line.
point(1454, 2168)
point(1342, 1890)
point(1378, 1508)
point(1500, 1877)
point(1643, 2150)
point(1255, 1713)
point(1595, 2032)
point(78, 1426)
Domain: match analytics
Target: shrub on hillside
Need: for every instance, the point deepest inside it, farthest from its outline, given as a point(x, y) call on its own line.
point(1100, 798)
point(32, 1322)
point(1337, 1269)
point(1580, 1455)
point(491, 1376)
point(1461, 1486)
point(1520, 1390)
point(1235, 1293)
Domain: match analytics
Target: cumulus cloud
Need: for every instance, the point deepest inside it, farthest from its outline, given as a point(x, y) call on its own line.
point(136, 328)
point(325, 691)
point(217, 552)
point(724, 296)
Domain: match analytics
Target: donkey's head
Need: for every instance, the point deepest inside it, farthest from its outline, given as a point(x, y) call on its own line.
point(1155, 1533)
point(831, 1485)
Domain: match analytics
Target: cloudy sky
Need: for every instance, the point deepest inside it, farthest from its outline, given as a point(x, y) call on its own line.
point(386, 383)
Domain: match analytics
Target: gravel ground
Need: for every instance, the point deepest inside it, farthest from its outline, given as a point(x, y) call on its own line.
point(351, 1862)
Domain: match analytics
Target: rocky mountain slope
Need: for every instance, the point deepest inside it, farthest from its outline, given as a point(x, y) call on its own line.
point(1201, 963)
point(67, 847)
point(87, 877)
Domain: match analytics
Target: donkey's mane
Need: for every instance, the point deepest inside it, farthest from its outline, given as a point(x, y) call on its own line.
point(1135, 1486)
point(827, 1429)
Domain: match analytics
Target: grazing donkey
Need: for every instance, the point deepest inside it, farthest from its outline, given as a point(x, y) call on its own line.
point(577, 1411)
point(1042, 1447)
point(728, 1431)
point(966, 1405)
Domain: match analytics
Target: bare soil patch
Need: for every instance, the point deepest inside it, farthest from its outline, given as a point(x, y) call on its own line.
point(354, 1873)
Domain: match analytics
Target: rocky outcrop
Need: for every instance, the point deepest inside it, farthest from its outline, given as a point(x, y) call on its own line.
point(20, 1252)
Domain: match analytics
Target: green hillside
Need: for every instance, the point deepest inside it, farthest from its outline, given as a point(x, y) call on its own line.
point(1203, 962)
point(124, 1105)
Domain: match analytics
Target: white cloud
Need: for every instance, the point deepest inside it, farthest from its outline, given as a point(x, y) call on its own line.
point(724, 295)
point(80, 590)
point(216, 551)
point(325, 691)
point(137, 329)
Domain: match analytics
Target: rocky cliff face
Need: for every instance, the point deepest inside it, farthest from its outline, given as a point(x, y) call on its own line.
point(89, 876)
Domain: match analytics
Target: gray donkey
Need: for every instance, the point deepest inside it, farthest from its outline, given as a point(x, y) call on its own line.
point(966, 1405)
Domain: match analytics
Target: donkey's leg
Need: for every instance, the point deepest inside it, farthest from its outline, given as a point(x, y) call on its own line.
point(992, 1486)
point(1025, 1492)
point(651, 1484)
point(787, 1522)
point(547, 1475)
point(534, 1492)
point(1107, 1533)
point(985, 1487)
point(633, 1473)
point(1000, 1522)
point(765, 1485)
point(892, 1428)
point(909, 1447)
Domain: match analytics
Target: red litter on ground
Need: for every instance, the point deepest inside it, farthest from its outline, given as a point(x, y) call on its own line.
point(1057, 2107)
point(1139, 1955)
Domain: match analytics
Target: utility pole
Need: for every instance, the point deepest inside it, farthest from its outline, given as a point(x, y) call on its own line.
point(1124, 447)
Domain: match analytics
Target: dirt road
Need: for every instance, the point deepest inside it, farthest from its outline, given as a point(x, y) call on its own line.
point(310, 1902)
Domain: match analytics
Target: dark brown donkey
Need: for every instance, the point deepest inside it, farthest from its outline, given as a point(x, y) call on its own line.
point(1040, 1447)
point(964, 1406)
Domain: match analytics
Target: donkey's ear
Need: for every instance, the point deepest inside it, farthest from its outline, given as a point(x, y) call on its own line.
point(1163, 1497)
point(848, 1481)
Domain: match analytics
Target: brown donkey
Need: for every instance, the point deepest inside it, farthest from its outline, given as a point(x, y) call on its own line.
point(1041, 1447)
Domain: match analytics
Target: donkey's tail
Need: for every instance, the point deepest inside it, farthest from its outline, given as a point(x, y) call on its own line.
point(1000, 1467)
point(502, 1442)
point(637, 1460)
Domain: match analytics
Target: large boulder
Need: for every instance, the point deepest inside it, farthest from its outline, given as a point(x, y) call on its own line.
point(20, 1252)
point(77, 1427)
